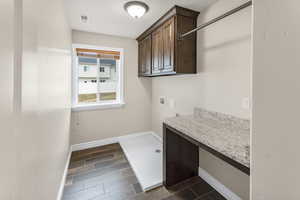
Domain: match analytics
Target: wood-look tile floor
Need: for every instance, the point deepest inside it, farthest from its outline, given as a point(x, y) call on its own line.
point(103, 173)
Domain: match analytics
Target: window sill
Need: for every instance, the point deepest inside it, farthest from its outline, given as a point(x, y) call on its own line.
point(102, 106)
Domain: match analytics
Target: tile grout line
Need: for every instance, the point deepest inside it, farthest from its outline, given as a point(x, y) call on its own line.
point(95, 169)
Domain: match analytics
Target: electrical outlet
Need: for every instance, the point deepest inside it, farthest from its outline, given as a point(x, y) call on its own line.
point(246, 103)
point(162, 100)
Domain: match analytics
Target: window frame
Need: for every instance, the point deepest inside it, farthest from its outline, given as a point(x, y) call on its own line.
point(119, 102)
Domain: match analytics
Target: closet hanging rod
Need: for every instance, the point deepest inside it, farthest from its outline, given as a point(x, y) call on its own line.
point(245, 5)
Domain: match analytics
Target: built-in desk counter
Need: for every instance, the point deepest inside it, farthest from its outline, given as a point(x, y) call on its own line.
point(224, 136)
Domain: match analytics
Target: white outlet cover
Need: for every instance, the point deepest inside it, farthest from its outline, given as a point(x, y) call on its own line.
point(246, 103)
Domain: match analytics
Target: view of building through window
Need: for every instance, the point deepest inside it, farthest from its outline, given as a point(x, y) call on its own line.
point(97, 77)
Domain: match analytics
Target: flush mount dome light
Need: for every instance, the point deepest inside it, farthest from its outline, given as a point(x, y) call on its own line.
point(136, 9)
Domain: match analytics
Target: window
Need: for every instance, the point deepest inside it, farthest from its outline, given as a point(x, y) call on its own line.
point(97, 77)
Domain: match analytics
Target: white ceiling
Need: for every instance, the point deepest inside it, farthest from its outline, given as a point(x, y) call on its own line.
point(109, 16)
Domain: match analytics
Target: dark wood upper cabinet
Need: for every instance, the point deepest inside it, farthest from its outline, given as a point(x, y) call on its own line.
point(168, 45)
point(162, 52)
point(157, 51)
point(145, 56)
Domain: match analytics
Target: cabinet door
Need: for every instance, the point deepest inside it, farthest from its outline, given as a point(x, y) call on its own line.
point(168, 46)
point(145, 56)
point(141, 59)
point(157, 51)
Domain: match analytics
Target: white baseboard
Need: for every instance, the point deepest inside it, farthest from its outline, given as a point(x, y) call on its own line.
point(222, 189)
point(64, 176)
point(98, 143)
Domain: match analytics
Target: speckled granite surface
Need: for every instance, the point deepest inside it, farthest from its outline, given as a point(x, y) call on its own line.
point(226, 134)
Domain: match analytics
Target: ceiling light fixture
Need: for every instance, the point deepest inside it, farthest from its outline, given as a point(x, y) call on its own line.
point(136, 9)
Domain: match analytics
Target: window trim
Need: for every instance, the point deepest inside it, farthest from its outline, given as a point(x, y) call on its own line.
point(98, 105)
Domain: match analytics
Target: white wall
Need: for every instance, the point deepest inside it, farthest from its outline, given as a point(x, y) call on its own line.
point(276, 97)
point(135, 116)
point(7, 141)
point(223, 80)
point(44, 106)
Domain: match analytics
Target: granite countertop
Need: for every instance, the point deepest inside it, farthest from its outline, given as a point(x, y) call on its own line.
point(226, 134)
